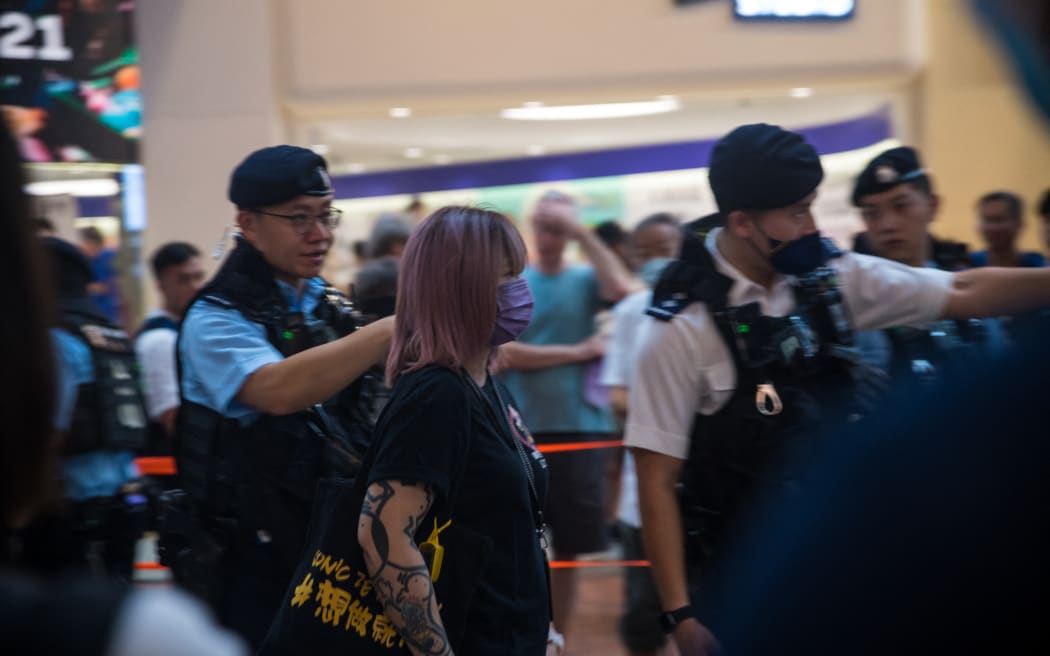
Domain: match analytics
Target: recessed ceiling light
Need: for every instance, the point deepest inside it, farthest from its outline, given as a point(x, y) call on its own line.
point(586, 112)
point(801, 92)
point(536, 149)
point(320, 149)
point(355, 167)
point(82, 188)
point(400, 112)
point(413, 153)
point(442, 159)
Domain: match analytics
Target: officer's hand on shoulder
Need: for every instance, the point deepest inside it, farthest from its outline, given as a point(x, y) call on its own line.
point(695, 639)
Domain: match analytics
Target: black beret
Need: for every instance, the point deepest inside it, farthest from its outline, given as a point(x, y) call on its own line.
point(889, 169)
point(70, 270)
point(273, 175)
point(762, 167)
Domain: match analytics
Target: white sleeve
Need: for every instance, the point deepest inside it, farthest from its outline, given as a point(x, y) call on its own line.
point(617, 351)
point(170, 623)
point(156, 353)
point(668, 383)
point(881, 293)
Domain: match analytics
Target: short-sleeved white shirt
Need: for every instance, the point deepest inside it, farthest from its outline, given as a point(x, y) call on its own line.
point(156, 353)
point(621, 348)
point(685, 368)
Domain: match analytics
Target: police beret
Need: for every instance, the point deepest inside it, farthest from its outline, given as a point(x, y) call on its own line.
point(70, 270)
point(762, 167)
point(273, 175)
point(889, 169)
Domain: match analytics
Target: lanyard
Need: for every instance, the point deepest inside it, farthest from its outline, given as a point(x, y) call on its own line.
point(503, 423)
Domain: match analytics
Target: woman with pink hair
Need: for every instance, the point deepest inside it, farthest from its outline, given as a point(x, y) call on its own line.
point(453, 445)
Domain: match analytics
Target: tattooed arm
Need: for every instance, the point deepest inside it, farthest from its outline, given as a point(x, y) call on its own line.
point(391, 514)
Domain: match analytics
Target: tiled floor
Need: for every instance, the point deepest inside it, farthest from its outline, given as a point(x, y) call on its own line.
point(598, 609)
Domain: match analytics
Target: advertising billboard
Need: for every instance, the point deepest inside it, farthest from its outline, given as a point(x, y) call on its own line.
point(69, 79)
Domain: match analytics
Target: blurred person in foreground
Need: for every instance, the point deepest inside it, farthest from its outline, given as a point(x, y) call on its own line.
point(897, 204)
point(1000, 218)
point(452, 440)
point(551, 370)
point(655, 241)
point(750, 353)
point(269, 354)
point(179, 274)
point(62, 615)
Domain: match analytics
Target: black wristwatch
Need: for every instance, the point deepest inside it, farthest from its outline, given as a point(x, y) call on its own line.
point(670, 619)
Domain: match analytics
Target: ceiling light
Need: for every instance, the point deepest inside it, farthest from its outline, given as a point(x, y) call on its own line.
point(442, 159)
point(400, 112)
point(532, 103)
point(82, 188)
point(535, 149)
point(413, 153)
point(585, 112)
point(320, 149)
point(801, 92)
point(355, 167)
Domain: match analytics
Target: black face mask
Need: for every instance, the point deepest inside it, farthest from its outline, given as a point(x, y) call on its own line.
point(798, 257)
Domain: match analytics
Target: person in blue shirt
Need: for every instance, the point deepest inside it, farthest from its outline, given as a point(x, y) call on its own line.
point(100, 420)
point(269, 356)
point(1000, 217)
point(105, 292)
point(897, 203)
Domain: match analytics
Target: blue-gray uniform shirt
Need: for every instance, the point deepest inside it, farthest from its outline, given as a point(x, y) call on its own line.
point(87, 475)
point(220, 348)
point(877, 351)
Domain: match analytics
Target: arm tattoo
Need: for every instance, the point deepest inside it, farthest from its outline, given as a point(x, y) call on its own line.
point(403, 584)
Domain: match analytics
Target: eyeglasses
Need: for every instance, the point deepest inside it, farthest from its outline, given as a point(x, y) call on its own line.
point(303, 223)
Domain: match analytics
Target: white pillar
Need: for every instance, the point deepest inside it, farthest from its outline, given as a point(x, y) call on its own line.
point(209, 98)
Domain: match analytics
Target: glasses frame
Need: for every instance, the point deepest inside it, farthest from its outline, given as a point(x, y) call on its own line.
point(300, 225)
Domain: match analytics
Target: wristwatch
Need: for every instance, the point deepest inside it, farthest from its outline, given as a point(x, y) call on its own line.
point(669, 619)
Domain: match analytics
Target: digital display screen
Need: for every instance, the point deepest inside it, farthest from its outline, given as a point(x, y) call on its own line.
point(70, 85)
point(794, 9)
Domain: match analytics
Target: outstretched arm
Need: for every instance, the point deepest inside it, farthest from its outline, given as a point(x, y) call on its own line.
point(995, 291)
point(391, 514)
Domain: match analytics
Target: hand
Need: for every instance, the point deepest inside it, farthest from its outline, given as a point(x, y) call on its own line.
point(553, 649)
point(591, 348)
point(695, 639)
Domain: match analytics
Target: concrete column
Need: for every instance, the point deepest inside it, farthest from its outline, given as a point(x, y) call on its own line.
point(210, 97)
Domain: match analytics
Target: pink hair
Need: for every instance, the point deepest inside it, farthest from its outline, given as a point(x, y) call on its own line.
point(446, 292)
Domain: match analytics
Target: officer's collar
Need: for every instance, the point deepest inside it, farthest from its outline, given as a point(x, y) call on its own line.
point(744, 290)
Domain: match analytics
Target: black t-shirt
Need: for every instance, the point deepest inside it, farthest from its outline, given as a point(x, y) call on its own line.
point(433, 421)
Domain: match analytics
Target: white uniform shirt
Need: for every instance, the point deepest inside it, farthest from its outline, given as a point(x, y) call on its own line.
point(156, 354)
point(685, 368)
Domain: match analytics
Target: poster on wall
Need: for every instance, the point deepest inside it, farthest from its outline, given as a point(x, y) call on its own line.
point(69, 86)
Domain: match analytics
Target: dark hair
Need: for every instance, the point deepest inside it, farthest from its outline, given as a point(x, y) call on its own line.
point(660, 218)
point(376, 279)
point(611, 233)
point(1014, 204)
point(28, 391)
point(172, 254)
point(91, 233)
point(390, 229)
point(40, 224)
point(1044, 205)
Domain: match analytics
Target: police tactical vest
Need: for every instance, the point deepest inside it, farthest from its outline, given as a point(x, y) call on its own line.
point(258, 480)
point(795, 374)
point(110, 412)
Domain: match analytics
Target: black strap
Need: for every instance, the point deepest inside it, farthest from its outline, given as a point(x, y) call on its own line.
point(503, 422)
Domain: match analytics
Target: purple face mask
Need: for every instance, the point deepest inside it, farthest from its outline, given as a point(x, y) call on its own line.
point(513, 311)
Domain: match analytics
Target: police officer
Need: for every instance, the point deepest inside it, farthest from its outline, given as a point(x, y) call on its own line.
point(753, 350)
point(268, 354)
point(897, 203)
point(102, 417)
